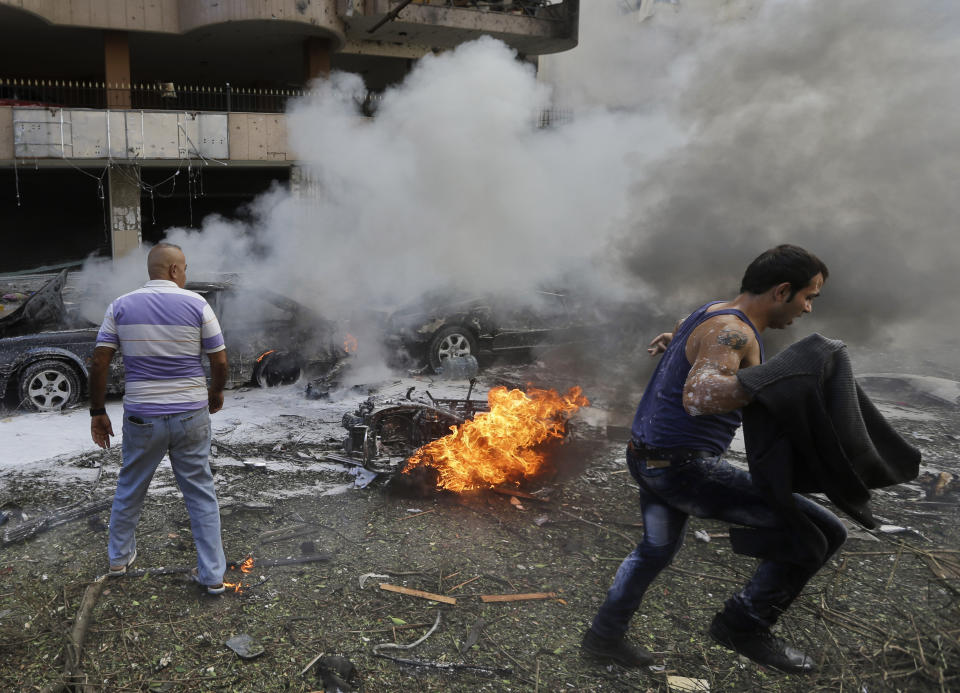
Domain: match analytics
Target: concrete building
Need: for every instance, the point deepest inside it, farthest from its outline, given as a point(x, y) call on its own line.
point(112, 111)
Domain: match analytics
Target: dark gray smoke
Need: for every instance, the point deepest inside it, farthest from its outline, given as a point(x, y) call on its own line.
point(829, 125)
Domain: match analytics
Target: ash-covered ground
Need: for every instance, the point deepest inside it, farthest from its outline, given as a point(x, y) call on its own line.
point(882, 616)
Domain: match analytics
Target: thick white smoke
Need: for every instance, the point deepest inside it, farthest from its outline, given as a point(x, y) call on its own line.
point(452, 184)
point(700, 137)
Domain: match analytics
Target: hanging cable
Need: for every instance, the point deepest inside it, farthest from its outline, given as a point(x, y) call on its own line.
point(190, 190)
point(196, 150)
point(16, 179)
point(103, 208)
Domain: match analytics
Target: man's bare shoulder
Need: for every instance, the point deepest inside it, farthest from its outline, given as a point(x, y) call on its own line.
point(724, 334)
point(728, 330)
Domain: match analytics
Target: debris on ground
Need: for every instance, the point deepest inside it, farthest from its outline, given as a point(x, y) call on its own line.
point(335, 672)
point(684, 684)
point(882, 615)
point(75, 511)
point(418, 593)
point(245, 646)
point(487, 598)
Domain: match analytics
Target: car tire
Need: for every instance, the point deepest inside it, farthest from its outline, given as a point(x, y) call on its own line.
point(451, 341)
point(49, 385)
point(277, 368)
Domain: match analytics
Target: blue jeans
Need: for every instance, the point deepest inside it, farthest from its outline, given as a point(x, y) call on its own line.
point(186, 437)
point(714, 489)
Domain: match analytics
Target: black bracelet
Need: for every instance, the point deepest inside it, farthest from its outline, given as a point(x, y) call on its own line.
point(98, 412)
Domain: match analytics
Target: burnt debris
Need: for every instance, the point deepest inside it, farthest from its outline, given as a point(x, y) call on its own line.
point(382, 438)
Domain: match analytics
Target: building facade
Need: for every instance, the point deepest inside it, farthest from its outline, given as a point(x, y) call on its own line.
point(121, 118)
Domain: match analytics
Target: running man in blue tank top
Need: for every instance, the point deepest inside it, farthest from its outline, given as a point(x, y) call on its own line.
point(686, 419)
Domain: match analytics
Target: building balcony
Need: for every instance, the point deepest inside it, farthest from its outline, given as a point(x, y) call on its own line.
point(51, 120)
point(56, 123)
point(163, 96)
point(532, 27)
point(76, 136)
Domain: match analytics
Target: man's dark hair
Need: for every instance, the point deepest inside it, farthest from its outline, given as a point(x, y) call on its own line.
point(785, 263)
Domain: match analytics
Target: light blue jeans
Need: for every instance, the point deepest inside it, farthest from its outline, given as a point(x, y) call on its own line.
point(186, 437)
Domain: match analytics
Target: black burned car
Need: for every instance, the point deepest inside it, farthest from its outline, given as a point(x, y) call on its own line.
point(45, 348)
point(446, 324)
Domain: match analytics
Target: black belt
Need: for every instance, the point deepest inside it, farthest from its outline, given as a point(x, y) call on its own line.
point(657, 458)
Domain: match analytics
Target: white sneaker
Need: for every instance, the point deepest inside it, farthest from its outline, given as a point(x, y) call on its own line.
point(211, 589)
point(117, 571)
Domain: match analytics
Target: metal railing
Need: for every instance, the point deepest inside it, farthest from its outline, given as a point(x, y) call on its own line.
point(55, 93)
point(554, 117)
point(175, 97)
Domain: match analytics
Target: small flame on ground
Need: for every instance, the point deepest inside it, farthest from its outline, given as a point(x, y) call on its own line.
point(266, 353)
point(496, 447)
point(350, 343)
point(245, 567)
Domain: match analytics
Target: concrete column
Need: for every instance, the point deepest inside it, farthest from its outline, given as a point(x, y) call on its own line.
point(316, 57)
point(116, 64)
point(303, 184)
point(125, 233)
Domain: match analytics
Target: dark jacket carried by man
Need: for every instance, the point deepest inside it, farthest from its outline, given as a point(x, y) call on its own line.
point(812, 429)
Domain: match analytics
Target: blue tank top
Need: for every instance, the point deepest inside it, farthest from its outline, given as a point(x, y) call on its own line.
point(661, 421)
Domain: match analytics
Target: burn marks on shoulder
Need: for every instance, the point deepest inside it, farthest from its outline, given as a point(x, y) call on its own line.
point(735, 339)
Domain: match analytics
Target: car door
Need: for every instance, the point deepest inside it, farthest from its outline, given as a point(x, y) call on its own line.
point(528, 319)
point(252, 326)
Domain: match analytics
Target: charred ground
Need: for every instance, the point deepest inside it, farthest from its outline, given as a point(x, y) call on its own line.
point(881, 616)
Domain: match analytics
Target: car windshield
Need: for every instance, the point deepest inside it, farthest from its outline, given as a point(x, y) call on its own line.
point(44, 310)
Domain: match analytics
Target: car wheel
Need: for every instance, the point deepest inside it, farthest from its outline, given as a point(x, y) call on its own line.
point(277, 368)
point(450, 342)
point(49, 385)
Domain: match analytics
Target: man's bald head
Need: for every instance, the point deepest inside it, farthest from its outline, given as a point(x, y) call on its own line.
point(167, 261)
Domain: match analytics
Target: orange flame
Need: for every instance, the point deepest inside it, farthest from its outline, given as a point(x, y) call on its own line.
point(245, 567)
point(260, 357)
point(499, 446)
point(350, 343)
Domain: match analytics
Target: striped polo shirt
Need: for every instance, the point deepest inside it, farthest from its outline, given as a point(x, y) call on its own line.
point(162, 332)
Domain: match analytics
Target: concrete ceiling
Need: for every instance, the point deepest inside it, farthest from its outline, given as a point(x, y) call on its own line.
point(250, 53)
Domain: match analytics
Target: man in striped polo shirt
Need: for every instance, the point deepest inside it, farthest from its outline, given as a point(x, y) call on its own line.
point(162, 331)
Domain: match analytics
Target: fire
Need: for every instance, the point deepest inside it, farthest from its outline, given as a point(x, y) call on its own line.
point(245, 567)
point(499, 446)
point(350, 343)
point(266, 353)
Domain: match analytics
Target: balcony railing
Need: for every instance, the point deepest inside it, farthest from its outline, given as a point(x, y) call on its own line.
point(175, 97)
point(153, 96)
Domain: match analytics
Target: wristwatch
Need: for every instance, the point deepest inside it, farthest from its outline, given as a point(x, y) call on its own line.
point(98, 412)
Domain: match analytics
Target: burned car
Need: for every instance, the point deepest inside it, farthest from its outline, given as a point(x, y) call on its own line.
point(448, 324)
point(381, 437)
point(46, 348)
